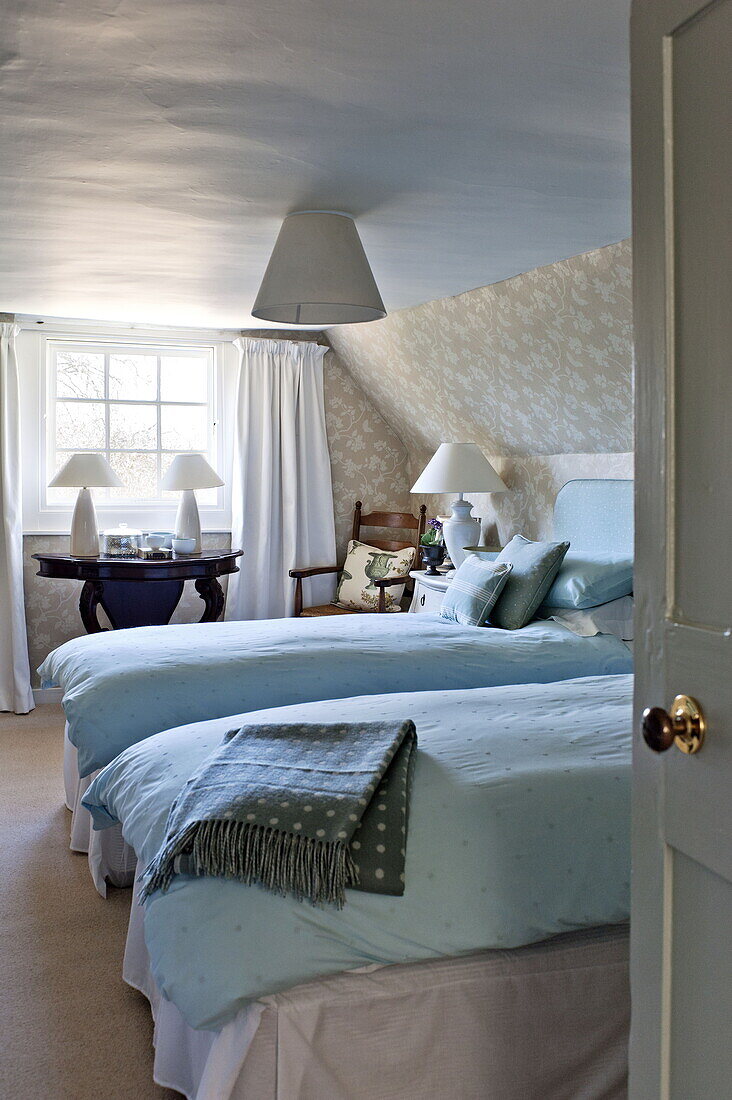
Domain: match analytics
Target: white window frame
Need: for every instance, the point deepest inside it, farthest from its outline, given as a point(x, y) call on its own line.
point(38, 407)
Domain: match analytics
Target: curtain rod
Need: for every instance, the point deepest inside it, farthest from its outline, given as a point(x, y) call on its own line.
point(29, 320)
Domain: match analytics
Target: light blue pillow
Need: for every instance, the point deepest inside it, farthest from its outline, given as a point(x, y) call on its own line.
point(473, 591)
point(587, 579)
point(535, 566)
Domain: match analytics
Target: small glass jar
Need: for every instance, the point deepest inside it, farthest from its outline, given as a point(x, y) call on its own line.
point(121, 542)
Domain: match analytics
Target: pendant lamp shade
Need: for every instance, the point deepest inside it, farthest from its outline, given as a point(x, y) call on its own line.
point(318, 274)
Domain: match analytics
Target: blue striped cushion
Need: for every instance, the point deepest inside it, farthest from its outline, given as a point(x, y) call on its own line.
point(474, 590)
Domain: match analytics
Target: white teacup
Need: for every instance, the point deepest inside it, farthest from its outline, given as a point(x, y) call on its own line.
point(184, 546)
point(166, 536)
point(155, 541)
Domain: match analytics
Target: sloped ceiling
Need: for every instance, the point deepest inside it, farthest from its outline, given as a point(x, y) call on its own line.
point(538, 365)
point(150, 148)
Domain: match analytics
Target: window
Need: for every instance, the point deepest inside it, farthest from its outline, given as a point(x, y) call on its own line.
point(139, 405)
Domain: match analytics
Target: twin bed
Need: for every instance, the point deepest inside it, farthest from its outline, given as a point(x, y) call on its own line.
point(518, 832)
point(518, 835)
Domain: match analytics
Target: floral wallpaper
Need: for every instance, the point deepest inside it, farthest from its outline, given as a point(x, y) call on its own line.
point(368, 461)
point(538, 364)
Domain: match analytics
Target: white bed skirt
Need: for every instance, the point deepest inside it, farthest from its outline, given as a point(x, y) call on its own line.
point(546, 1022)
point(111, 860)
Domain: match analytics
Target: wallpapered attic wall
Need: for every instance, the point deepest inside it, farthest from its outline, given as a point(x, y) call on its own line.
point(538, 365)
point(537, 370)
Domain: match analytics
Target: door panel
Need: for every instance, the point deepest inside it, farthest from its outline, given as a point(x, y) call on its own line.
point(700, 1067)
point(681, 928)
point(700, 86)
point(698, 806)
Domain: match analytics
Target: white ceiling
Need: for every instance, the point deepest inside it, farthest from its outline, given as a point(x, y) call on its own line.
point(150, 148)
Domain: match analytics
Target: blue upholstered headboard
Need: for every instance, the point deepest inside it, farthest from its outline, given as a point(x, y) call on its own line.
point(594, 514)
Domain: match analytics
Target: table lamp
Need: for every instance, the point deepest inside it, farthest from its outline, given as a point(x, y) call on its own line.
point(84, 471)
point(459, 468)
point(187, 473)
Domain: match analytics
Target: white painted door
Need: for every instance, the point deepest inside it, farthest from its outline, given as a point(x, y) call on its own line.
point(681, 968)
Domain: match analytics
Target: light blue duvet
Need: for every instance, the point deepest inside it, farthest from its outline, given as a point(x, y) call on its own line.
point(124, 685)
point(519, 829)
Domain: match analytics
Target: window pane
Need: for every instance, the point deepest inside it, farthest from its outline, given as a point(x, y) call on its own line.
point(80, 425)
point(203, 496)
point(79, 374)
point(183, 378)
point(139, 474)
point(139, 405)
point(133, 377)
point(133, 426)
point(184, 428)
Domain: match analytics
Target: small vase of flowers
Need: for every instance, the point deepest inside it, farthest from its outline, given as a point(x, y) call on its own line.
point(432, 548)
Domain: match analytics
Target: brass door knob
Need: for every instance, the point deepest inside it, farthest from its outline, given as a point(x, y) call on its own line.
point(684, 726)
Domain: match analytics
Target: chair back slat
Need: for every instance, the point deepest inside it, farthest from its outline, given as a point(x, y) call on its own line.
point(404, 520)
point(390, 544)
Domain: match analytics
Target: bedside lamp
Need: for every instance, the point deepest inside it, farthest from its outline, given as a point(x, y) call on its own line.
point(459, 468)
point(84, 471)
point(189, 472)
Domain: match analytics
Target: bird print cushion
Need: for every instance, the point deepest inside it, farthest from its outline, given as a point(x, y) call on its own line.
point(363, 565)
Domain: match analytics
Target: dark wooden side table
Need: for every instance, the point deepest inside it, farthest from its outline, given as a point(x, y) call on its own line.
point(135, 592)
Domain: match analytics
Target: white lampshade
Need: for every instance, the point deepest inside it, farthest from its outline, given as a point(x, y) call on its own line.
point(458, 468)
point(318, 274)
point(190, 472)
point(85, 471)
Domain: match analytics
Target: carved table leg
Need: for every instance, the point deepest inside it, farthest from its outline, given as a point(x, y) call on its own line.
point(212, 594)
point(91, 594)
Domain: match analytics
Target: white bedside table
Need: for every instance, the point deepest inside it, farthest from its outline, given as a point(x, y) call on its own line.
point(428, 591)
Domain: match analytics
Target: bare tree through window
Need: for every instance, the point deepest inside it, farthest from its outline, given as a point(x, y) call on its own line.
point(137, 406)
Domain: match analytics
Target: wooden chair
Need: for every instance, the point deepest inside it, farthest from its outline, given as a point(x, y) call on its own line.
point(403, 521)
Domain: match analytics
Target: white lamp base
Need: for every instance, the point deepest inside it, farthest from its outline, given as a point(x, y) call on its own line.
point(460, 530)
point(187, 520)
point(84, 541)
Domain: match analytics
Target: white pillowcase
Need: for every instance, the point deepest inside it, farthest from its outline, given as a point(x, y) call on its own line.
point(615, 617)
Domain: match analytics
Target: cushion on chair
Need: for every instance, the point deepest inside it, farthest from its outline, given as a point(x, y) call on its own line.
point(364, 563)
point(473, 591)
point(535, 565)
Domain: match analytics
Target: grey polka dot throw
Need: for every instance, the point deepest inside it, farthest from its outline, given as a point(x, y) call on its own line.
point(307, 810)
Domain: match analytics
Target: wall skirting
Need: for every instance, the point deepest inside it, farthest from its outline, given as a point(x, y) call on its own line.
point(46, 695)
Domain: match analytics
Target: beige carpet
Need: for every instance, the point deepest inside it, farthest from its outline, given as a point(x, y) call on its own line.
point(70, 1029)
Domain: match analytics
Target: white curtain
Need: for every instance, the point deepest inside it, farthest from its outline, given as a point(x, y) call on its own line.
point(282, 497)
point(15, 686)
